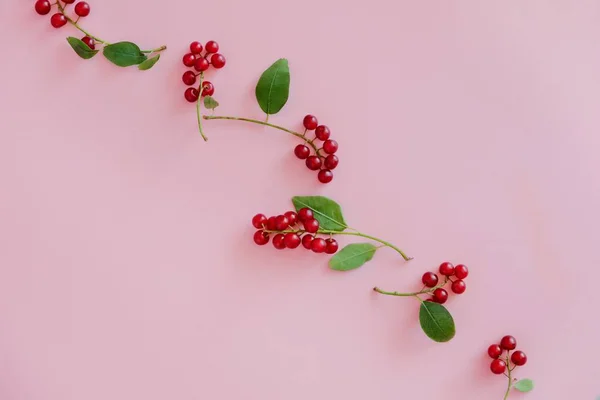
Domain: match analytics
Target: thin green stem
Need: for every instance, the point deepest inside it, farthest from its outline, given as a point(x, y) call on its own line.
point(383, 242)
point(412, 294)
point(509, 375)
point(157, 50)
point(199, 108)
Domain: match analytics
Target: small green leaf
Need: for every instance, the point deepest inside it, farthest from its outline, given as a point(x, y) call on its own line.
point(210, 103)
point(436, 321)
point(352, 256)
point(327, 211)
point(82, 49)
point(149, 63)
point(524, 385)
point(273, 87)
point(124, 54)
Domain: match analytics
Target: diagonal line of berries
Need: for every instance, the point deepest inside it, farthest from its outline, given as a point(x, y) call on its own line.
point(504, 363)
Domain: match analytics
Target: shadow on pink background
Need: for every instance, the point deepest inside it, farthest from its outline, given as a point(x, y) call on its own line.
point(468, 132)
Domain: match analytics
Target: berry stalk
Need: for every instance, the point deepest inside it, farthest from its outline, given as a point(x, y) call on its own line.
point(508, 375)
point(199, 108)
point(413, 294)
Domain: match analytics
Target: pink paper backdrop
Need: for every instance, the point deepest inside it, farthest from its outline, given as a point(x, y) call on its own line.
point(468, 132)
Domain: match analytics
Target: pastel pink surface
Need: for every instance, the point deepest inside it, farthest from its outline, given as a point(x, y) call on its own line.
point(468, 132)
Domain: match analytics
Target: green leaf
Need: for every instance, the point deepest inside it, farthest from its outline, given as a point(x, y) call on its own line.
point(327, 211)
point(436, 321)
point(149, 63)
point(210, 103)
point(82, 49)
point(124, 54)
point(352, 256)
point(273, 87)
point(524, 385)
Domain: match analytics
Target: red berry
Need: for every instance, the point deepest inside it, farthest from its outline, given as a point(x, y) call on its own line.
point(447, 269)
point(318, 245)
point(272, 224)
point(440, 295)
point(325, 176)
point(305, 214)
point(292, 240)
point(201, 64)
point(91, 43)
point(508, 342)
point(332, 246)
point(459, 286)
point(307, 241)
point(313, 163)
point(261, 238)
point(281, 223)
point(189, 78)
point(43, 7)
point(322, 132)
point(208, 89)
point(330, 146)
point(189, 59)
point(279, 241)
point(498, 367)
point(310, 122)
point(331, 161)
point(58, 20)
point(259, 221)
point(292, 217)
point(217, 60)
point(68, 1)
point(429, 279)
point(518, 358)
point(196, 47)
point(191, 95)
point(494, 351)
point(302, 152)
point(461, 271)
point(212, 47)
point(311, 225)
point(82, 9)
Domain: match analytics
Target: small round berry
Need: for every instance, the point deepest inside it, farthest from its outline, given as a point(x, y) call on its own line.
point(313, 163)
point(217, 60)
point(189, 59)
point(508, 342)
point(292, 240)
point(325, 176)
point(459, 286)
point(461, 271)
point(281, 223)
point(310, 122)
point(518, 358)
point(191, 95)
point(212, 47)
point(82, 9)
point(261, 238)
point(292, 217)
point(43, 7)
point(494, 351)
point(318, 245)
point(440, 295)
point(279, 241)
point(201, 64)
point(91, 43)
point(305, 214)
point(189, 78)
point(447, 269)
point(307, 241)
point(68, 1)
point(58, 20)
point(208, 89)
point(322, 132)
point(331, 161)
point(196, 47)
point(330, 146)
point(429, 279)
point(332, 246)
point(302, 152)
point(259, 221)
point(271, 223)
point(311, 225)
point(498, 367)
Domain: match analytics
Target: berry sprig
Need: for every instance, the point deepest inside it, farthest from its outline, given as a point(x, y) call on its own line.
point(122, 54)
point(436, 321)
point(506, 363)
point(314, 223)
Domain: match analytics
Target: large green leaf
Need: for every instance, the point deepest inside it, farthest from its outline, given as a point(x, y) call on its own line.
point(352, 256)
point(524, 385)
point(124, 54)
point(149, 63)
point(273, 87)
point(82, 49)
point(326, 211)
point(436, 321)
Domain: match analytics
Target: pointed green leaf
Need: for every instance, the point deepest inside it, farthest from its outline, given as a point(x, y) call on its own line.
point(524, 385)
point(436, 321)
point(124, 54)
point(82, 49)
point(149, 63)
point(352, 256)
point(326, 211)
point(273, 87)
point(210, 103)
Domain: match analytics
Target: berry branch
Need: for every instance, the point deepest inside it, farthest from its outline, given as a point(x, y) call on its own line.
point(505, 366)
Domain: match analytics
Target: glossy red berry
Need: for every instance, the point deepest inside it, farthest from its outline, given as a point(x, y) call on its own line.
point(196, 47)
point(494, 351)
point(58, 20)
point(261, 238)
point(91, 43)
point(331, 161)
point(208, 89)
point(429, 279)
point(305, 214)
point(498, 367)
point(189, 78)
point(292, 217)
point(82, 9)
point(272, 224)
point(302, 152)
point(310, 122)
point(459, 286)
point(217, 60)
point(201, 64)
point(440, 295)
point(259, 221)
point(43, 7)
point(313, 163)
point(330, 146)
point(518, 358)
point(322, 132)
point(281, 223)
point(508, 342)
point(279, 241)
point(292, 240)
point(447, 269)
point(212, 47)
point(461, 271)
point(307, 241)
point(318, 245)
point(191, 95)
point(189, 59)
point(331, 246)
point(311, 225)
point(325, 176)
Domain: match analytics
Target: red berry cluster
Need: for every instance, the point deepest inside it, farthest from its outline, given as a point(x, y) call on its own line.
point(499, 365)
point(318, 162)
point(440, 295)
point(201, 62)
point(287, 235)
point(60, 19)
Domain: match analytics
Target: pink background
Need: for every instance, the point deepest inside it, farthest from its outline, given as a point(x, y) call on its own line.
point(468, 132)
